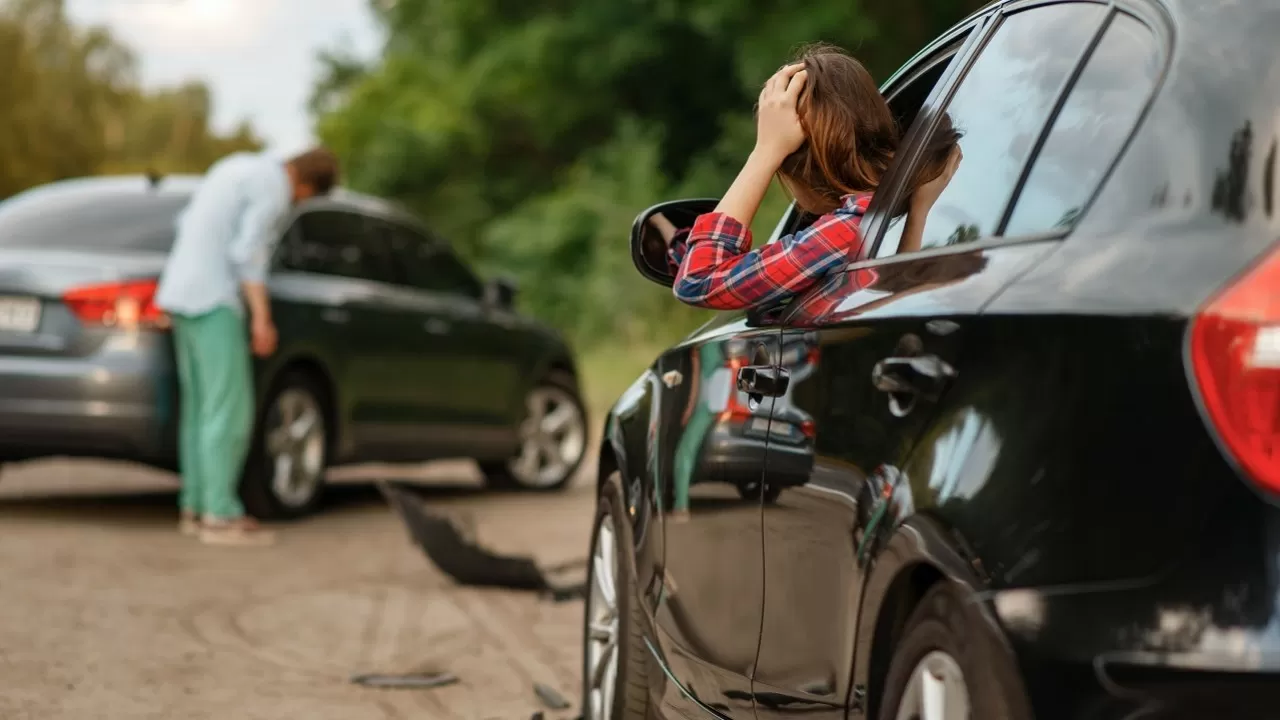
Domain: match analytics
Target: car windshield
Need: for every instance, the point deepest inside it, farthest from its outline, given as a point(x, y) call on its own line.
point(98, 219)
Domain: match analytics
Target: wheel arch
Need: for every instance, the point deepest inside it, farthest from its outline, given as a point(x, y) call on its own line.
point(919, 554)
point(312, 367)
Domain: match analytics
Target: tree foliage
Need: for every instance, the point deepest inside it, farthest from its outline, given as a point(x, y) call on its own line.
point(72, 106)
point(531, 133)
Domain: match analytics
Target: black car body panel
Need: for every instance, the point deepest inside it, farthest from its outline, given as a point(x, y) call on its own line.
point(1063, 471)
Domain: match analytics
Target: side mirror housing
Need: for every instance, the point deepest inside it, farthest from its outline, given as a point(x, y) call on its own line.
point(649, 235)
point(501, 292)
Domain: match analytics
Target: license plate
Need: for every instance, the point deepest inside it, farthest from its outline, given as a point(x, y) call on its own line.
point(19, 314)
point(761, 424)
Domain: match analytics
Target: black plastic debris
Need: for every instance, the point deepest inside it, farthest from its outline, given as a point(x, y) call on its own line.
point(415, 680)
point(550, 697)
point(464, 560)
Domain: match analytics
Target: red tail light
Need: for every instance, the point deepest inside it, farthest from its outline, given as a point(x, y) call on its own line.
point(123, 304)
point(1235, 356)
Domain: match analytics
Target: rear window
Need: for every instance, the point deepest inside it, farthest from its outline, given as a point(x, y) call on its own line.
point(120, 220)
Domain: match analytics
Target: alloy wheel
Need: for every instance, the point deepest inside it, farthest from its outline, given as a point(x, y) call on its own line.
point(295, 445)
point(553, 439)
point(936, 690)
point(602, 624)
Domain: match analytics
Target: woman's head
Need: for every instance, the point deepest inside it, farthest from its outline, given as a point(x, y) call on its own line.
point(851, 135)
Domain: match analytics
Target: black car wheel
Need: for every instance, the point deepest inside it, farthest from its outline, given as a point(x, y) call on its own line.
point(553, 439)
point(950, 666)
point(284, 477)
point(614, 671)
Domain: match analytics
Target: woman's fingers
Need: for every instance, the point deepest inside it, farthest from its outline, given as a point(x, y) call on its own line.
point(780, 79)
point(796, 84)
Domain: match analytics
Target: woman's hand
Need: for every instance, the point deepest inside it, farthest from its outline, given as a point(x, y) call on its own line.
point(778, 129)
point(927, 194)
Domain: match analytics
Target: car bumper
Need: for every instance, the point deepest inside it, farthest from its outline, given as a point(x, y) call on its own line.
point(1136, 652)
point(730, 455)
point(120, 402)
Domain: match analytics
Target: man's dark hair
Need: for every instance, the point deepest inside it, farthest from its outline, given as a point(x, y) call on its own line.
point(317, 168)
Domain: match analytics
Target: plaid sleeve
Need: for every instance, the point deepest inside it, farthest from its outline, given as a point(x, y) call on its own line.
point(720, 270)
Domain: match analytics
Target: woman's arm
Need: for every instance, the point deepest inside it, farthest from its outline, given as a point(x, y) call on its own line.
point(922, 202)
point(778, 134)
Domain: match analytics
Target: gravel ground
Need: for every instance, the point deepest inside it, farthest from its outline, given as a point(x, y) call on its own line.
point(106, 612)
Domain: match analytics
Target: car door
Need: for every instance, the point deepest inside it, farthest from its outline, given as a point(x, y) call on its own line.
point(334, 280)
point(466, 368)
point(710, 442)
point(882, 342)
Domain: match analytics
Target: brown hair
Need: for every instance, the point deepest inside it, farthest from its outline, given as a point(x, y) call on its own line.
point(317, 168)
point(851, 135)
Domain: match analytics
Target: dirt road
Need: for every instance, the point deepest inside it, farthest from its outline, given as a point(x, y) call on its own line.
point(105, 612)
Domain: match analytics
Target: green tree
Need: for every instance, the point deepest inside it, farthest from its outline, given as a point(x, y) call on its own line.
point(73, 107)
point(531, 133)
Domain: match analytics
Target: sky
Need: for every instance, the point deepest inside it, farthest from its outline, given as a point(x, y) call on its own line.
point(257, 56)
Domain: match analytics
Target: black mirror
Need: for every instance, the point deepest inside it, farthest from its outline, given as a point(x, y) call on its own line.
point(653, 230)
point(501, 292)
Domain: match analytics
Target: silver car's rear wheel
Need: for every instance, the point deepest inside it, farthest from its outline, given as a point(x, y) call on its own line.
point(284, 476)
point(295, 443)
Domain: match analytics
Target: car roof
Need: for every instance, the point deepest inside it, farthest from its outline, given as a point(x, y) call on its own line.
point(90, 188)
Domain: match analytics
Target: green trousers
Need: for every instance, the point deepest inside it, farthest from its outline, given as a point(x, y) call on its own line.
point(215, 375)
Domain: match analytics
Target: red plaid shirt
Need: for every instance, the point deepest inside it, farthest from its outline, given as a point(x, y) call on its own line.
point(718, 269)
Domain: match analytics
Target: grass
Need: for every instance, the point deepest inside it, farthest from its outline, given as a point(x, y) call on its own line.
point(608, 370)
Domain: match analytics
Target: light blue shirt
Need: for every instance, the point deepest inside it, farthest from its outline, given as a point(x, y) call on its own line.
point(226, 234)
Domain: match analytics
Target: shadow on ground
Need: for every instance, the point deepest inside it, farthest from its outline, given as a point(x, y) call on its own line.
point(139, 508)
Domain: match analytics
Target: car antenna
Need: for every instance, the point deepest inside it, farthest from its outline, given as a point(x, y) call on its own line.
point(154, 178)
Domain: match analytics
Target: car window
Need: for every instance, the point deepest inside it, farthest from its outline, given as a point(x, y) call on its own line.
point(448, 274)
point(411, 252)
point(1088, 133)
point(1001, 105)
point(333, 242)
point(67, 219)
point(429, 264)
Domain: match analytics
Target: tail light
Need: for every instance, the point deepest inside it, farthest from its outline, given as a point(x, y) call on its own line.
point(734, 409)
point(128, 304)
point(1235, 358)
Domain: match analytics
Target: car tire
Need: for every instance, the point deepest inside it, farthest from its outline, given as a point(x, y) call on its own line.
point(553, 439)
point(614, 655)
point(949, 643)
point(285, 472)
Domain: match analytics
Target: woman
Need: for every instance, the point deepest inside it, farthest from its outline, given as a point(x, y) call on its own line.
point(824, 129)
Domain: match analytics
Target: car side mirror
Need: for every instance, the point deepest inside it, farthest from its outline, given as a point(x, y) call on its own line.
point(501, 292)
point(652, 231)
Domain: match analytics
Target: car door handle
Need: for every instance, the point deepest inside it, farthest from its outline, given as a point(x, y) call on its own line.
point(761, 381)
point(907, 379)
point(335, 315)
point(436, 326)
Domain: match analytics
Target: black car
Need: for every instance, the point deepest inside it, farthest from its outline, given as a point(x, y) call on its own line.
point(391, 349)
point(1046, 447)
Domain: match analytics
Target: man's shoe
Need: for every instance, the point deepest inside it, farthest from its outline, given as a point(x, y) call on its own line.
point(240, 532)
point(189, 525)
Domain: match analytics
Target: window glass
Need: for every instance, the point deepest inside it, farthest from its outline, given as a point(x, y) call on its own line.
point(1087, 135)
point(1001, 106)
point(331, 242)
point(88, 219)
point(430, 264)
